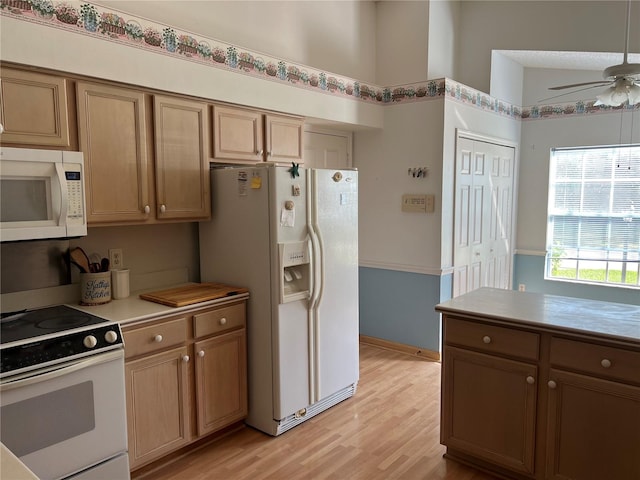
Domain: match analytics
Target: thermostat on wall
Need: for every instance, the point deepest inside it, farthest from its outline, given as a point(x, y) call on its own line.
point(418, 203)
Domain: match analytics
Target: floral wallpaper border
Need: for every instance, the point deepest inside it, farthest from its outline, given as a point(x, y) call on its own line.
point(112, 25)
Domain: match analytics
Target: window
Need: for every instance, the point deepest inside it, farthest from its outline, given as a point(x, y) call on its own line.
point(593, 232)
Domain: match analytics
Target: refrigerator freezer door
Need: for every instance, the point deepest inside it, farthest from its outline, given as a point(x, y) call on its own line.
point(335, 324)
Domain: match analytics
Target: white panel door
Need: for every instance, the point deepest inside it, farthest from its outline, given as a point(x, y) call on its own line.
point(327, 150)
point(483, 215)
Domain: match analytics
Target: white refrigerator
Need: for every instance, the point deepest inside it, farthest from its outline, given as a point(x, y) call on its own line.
point(291, 237)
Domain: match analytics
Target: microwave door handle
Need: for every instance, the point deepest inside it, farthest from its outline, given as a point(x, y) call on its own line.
point(59, 372)
point(64, 194)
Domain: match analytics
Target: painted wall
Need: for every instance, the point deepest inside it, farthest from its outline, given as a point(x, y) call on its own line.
point(337, 36)
point(443, 42)
point(538, 138)
point(581, 26)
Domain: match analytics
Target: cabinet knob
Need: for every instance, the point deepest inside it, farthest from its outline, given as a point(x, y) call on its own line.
point(185, 358)
point(201, 353)
point(260, 152)
point(531, 380)
point(157, 338)
point(606, 363)
point(486, 339)
point(147, 209)
point(222, 321)
point(1, 128)
point(163, 208)
point(552, 384)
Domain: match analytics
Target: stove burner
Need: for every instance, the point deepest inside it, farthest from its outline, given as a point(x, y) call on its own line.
point(45, 321)
point(63, 323)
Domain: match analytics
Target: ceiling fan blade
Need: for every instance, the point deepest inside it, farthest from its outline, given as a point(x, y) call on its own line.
point(601, 83)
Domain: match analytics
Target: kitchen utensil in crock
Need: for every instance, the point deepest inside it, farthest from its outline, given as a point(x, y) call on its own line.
point(79, 258)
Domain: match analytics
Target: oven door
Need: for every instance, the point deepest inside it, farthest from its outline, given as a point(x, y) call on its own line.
point(60, 421)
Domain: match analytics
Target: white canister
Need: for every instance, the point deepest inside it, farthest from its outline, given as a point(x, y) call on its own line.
point(120, 283)
point(95, 288)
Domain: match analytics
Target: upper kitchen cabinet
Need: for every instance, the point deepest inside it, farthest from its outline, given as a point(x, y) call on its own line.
point(33, 109)
point(249, 136)
point(182, 161)
point(112, 128)
point(283, 138)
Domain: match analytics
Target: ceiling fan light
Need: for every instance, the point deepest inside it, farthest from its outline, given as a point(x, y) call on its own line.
point(634, 94)
point(610, 98)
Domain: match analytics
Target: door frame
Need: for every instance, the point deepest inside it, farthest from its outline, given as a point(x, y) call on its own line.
point(476, 136)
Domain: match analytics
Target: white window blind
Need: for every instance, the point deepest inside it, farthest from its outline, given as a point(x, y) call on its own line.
point(593, 230)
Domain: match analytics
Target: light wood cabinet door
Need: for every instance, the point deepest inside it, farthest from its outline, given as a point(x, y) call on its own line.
point(33, 109)
point(157, 405)
point(283, 138)
point(489, 408)
point(593, 428)
point(237, 134)
point(221, 380)
point(112, 134)
point(182, 160)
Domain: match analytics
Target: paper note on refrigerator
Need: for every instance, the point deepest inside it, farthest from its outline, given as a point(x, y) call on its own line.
point(287, 218)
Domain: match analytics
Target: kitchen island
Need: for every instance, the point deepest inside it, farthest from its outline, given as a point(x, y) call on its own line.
point(539, 386)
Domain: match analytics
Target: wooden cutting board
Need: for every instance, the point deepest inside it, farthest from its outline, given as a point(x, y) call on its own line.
point(190, 294)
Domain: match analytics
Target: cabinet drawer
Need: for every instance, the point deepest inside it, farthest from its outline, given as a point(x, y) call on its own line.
point(154, 337)
point(492, 339)
point(219, 320)
point(598, 360)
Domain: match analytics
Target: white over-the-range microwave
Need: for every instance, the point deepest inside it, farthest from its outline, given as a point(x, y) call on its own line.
point(41, 194)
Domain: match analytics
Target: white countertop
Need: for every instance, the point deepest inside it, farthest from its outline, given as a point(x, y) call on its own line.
point(133, 308)
point(618, 321)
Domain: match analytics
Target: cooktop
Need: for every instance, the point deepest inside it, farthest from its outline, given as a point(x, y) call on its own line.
point(29, 324)
point(46, 337)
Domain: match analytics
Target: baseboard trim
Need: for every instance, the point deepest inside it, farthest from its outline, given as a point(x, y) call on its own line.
point(421, 353)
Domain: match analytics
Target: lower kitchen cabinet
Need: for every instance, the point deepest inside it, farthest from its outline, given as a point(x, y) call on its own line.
point(489, 406)
point(186, 377)
point(157, 404)
point(221, 373)
point(536, 398)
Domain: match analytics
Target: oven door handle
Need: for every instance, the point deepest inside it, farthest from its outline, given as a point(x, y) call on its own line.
point(56, 372)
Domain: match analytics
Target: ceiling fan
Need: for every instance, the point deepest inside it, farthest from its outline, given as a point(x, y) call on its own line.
point(623, 80)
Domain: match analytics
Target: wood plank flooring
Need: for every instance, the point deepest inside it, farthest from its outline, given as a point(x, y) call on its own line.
point(388, 430)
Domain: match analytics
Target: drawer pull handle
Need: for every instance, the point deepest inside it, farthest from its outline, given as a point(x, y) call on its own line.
point(157, 338)
point(606, 363)
point(201, 353)
point(222, 321)
point(552, 384)
point(185, 358)
point(531, 380)
point(486, 339)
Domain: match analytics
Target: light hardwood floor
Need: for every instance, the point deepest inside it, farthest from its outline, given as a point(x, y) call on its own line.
point(388, 430)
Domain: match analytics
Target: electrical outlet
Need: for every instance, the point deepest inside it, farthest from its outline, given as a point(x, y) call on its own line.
point(522, 287)
point(115, 258)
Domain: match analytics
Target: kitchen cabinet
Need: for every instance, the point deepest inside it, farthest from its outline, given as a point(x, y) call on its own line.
point(157, 405)
point(541, 387)
point(34, 109)
point(221, 367)
point(128, 180)
point(181, 159)
point(186, 377)
point(112, 125)
point(594, 411)
point(489, 398)
point(250, 136)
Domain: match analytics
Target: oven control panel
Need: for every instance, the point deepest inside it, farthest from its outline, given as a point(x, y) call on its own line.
point(45, 351)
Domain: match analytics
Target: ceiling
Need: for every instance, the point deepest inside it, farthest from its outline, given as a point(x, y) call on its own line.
point(597, 61)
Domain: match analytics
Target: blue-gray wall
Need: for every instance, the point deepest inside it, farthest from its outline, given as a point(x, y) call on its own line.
point(399, 306)
point(529, 269)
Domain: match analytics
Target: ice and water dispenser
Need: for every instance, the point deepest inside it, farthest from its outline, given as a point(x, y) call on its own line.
point(294, 271)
